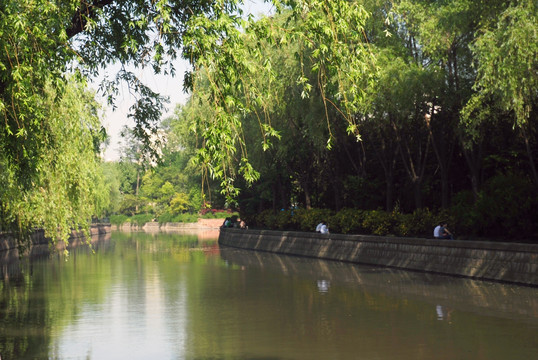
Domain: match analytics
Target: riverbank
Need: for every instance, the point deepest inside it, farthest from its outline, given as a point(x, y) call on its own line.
point(204, 229)
point(201, 224)
point(9, 242)
point(507, 262)
point(40, 245)
point(207, 228)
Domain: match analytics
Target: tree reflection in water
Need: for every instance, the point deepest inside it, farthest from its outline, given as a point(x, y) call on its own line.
point(182, 296)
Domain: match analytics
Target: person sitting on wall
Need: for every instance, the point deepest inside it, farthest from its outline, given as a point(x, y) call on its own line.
point(318, 227)
point(441, 231)
point(437, 231)
point(324, 228)
point(227, 223)
point(234, 223)
point(445, 233)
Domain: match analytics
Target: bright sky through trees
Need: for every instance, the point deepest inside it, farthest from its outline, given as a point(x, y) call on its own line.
point(114, 120)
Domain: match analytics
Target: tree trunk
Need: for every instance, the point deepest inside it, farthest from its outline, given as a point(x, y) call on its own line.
point(443, 150)
point(445, 189)
point(414, 166)
point(307, 198)
point(283, 199)
point(389, 192)
point(386, 153)
point(274, 199)
point(136, 190)
point(417, 192)
point(473, 160)
point(530, 156)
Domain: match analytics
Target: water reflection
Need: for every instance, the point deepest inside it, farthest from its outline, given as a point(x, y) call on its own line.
point(323, 286)
point(350, 311)
point(443, 313)
point(487, 298)
point(176, 296)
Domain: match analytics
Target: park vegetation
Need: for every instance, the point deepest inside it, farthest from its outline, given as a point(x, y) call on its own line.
point(379, 117)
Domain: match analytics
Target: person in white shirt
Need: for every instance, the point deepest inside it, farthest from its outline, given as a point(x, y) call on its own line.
point(442, 232)
point(318, 227)
point(437, 231)
point(324, 229)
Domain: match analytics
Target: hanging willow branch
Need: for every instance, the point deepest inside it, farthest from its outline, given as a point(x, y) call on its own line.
point(229, 57)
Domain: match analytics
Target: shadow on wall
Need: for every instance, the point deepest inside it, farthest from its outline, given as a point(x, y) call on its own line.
point(508, 262)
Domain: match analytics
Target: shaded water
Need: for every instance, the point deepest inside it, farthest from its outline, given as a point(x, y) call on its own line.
point(163, 296)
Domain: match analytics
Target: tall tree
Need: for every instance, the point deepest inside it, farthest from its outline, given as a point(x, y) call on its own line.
point(506, 55)
point(339, 56)
point(42, 42)
point(68, 188)
point(440, 33)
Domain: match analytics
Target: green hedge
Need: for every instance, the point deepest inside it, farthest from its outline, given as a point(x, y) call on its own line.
point(481, 220)
point(141, 219)
point(219, 215)
point(118, 219)
point(354, 221)
point(192, 218)
point(178, 218)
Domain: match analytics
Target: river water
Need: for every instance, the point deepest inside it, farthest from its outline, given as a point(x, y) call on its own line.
point(177, 296)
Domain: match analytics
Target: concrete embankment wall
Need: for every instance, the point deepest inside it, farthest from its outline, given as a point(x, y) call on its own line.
point(8, 242)
point(201, 224)
point(509, 262)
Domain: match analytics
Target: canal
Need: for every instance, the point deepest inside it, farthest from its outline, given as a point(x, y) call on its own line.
point(178, 296)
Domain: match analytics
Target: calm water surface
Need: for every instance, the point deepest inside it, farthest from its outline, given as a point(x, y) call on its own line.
point(143, 296)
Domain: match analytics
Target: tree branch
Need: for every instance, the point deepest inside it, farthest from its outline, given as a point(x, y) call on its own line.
point(86, 11)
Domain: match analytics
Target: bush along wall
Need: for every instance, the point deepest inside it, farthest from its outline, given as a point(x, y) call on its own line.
point(420, 223)
point(141, 219)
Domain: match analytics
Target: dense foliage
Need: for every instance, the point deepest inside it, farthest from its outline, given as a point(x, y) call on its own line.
point(61, 186)
point(417, 107)
point(50, 132)
point(446, 115)
point(166, 191)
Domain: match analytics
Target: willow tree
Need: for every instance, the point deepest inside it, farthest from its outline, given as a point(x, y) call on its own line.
point(55, 180)
point(42, 42)
point(229, 55)
point(45, 132)
point(507, 62)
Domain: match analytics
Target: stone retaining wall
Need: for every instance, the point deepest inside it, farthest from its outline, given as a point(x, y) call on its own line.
point(509, 262)
point(8, 242)
point(201, 224)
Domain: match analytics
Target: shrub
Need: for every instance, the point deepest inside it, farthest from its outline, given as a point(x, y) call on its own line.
point(250, 219)
point(141, 219)
point(220, 215)
point(463, 214)
point(265, 219)
point(186, 218)
point(348, 221)
point(118, 219)
point(165, 217)
point(307, 220)
point(208, 215)
point(505, 207)
point(379, 222)
point(216, 214)
point(419, 224)
point(284, 220)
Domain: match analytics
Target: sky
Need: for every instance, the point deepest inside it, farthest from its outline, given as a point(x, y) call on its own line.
point(114, 120)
